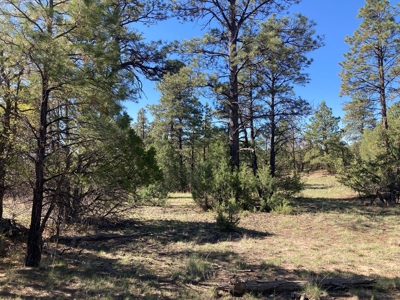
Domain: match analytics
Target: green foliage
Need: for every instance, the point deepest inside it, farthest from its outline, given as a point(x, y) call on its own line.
point(324, 137)
point(313, 291)
point(202, 184)
point(376, 169)
point(359, 116)
point(371, 65)
point(247, 187)
point(228, 214)
point(177, 123)
point(277, 191)
point(142, 125)
point(197, 269)
point(214, 180)
point(106, 170)
point(216, 183)
point(153, 194)
point(174, 173)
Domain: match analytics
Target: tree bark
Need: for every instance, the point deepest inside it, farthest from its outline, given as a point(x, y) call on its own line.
point(272, 153)
point(233, 86)
point(34, 245)
point(382, 89)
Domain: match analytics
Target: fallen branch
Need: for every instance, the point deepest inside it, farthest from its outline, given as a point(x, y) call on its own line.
point(239, 286)
point(96, 237)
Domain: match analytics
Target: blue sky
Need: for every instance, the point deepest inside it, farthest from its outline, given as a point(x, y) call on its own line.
point(335, 19)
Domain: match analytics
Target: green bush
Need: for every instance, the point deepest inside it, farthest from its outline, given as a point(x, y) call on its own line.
point(377, 167)
point(153, 194)
point(202, 184)
point(216, 181)
point(228, 215)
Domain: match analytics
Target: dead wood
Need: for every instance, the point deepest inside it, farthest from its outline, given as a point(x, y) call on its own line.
point(73, 240)
point(240, 286)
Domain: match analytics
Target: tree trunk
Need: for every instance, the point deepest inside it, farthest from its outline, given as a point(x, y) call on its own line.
point(254, 163)
point(34, 245)
point(233, 87)
point(272, 153)
point(382, 94)
point(182, 177)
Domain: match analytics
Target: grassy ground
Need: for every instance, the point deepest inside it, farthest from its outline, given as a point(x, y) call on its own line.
point(185, 256)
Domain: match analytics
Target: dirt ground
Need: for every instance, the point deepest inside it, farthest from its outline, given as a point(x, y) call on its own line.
point(178, 252)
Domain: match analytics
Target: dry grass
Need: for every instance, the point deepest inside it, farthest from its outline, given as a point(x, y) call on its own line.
point(185, 255)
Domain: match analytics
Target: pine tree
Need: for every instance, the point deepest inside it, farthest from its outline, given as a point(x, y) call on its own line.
point(222, 48)
point(77, 59)
point(177, 118)
point(277, 65)
point(142, 125)
point(358, 117)
point(371, 65)
point(324, 136)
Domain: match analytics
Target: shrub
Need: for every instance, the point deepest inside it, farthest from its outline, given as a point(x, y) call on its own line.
point(202, 186)
point(228, 215)
point(153, 194)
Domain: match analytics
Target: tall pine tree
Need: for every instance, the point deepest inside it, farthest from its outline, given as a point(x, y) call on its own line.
point(371, 65)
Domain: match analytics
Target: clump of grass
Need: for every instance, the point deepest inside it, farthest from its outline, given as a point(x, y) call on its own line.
point(197, 269)
point(388, 283)
point(264, 266)
point(284, 209)
point(313, 291)
point(242, 265)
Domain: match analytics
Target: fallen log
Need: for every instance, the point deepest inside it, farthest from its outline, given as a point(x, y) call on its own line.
point(239, 286)
point(92, 238)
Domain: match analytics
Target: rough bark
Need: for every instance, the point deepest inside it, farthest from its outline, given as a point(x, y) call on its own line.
point(34, 244)
point(272, 151)
point(233, 86)
point(382, 89)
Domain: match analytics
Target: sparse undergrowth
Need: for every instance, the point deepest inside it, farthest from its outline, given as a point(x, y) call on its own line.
point(185, 255)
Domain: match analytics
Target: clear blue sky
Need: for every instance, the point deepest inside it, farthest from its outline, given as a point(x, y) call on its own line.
point(335, 19)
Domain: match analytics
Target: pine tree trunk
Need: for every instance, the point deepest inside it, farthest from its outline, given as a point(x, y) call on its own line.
point(254, 163)
point(272, 153)
point(382, 90)
point(34, 245)
point(233, 83)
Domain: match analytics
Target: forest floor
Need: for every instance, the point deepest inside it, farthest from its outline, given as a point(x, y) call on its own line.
point(181, 254)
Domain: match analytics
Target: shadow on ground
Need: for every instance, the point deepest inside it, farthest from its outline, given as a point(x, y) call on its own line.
point(123, 268)
point(344, 205)
point(109, 278)
point(172, 231)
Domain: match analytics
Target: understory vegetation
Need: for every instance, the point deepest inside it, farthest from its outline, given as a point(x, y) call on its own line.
point(228, 172)
point(180, 253)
